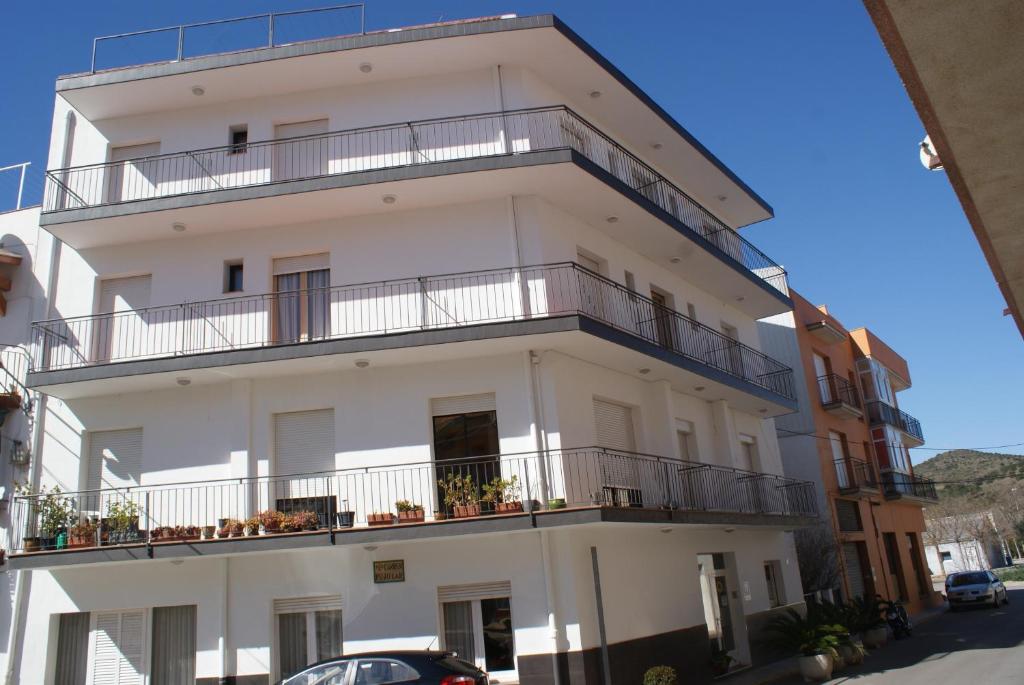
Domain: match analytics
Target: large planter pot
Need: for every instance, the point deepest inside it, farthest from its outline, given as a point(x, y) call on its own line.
point(380, 519)
point(346, 519)
point(557, 503)
point(508, 507)
point(30, 544)
point(465, 511)
point(850, 654)
point(76, 542)
point(411, 516)
point(815, 669)
point(875, 637)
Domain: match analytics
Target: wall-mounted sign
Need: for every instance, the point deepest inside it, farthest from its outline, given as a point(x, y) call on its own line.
point(390, 571)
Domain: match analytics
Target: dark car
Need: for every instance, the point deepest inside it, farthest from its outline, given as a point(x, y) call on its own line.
point(378, 668)
point(975, 587)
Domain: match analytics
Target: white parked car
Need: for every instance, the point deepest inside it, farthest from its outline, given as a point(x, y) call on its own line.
point(975, 587)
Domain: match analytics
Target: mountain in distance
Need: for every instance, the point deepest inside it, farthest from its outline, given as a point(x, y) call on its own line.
point(964, 473)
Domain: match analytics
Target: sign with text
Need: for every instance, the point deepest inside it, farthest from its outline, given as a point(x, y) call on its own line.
point(390, 571)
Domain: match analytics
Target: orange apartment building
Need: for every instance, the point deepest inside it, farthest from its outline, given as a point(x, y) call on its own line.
point(851, 437)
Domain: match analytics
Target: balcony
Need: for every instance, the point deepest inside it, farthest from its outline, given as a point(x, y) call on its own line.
point(373, 156)
point(839, 396)
point(897, 485)
point(358, 505)
point(856, 476)
point(387, 315)
point(882, 413)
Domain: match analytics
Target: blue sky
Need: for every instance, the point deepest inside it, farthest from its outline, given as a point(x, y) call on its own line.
point(799, 98)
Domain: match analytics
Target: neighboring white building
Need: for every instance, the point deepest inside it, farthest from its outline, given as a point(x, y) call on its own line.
point(325, 276)
point(952, 544)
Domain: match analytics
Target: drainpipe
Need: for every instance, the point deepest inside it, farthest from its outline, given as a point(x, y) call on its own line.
point(606, 665)
point(223, 642)
point(541, 434)
point(547, 566)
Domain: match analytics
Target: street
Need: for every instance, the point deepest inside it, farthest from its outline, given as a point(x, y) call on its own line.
point(975, 646)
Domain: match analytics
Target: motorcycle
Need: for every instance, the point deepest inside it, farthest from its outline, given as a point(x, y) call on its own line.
point(898, 619)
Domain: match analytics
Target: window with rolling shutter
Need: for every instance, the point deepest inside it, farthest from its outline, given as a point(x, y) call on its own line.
point(72, 665)
point(126, 334)
point(304, 442)
point(854, 571)
point(115, 459)
point(463, 404)
point(620, 483)
point(309, 629)
point(118, 641)
point(477, 624)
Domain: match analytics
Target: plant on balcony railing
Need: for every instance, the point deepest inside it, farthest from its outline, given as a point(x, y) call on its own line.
point(503, 496)
point(403, 144)
point(409, 512)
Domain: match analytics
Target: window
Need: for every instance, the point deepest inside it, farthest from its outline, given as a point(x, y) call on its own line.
point(748, 453)
point(302, 298)
point(381, 671)
point(233, 282)
point(848, 516)
point(691, 313)
point(309, 629)
point(947, 556)
point(733, 359)
point(477, 625)
point(664, 318)
point(897, 582)
point(239, 136)
point(923, 581)
point(118, 647)
point(72, 649)
point(465, 427)
point(687, 440)
point(772, 576)
point(630, 281)
point(115, 460)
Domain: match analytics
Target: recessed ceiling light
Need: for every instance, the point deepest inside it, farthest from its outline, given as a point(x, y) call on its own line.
point(740, 298)
point(644, 371)
point(595, 94)
point(178, 227)
point(656, 146)
point(763, 411)
point(666, 530)
point(198, 90)
point(183, 381)
point(366, 67)
point(362, 363)
point(612, 219)
point(675, 260)
point(370, 548)
point(729, 530)
point(699, 388)
point(723, 198)
point(389, 199)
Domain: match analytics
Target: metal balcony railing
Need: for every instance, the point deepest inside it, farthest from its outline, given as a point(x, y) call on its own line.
point(397, 145)
point(898, 484)
point(880, 412)
point(400, 306)
point(466, 488)
point(833, 388)
point(854, 474)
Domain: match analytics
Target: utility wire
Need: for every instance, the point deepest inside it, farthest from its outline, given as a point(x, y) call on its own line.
point(793, 434)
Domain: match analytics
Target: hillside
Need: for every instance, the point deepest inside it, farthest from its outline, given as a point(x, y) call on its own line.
point(970, 471)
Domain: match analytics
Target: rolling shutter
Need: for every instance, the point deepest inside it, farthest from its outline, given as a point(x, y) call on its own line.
point(115, 459)
point(293, 265)
point(464, 593)
point(304, 442)
point(462, 404)
point(124, 294)
point(301, 605)
point(118, 648)
point(854, 572)
point(614, 426)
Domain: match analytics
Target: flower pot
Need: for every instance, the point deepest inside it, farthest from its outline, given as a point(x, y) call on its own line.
point(411, 516)
point(815, 669)
point(48, 543)
point(380, 519)
point(271, 529)
point(508, 507)
point(346, 519)
point(557, 503)
point(850, 654)
point(465, 511)
point(79, 541)
point(875, 637)
point(30, 544)
point(208, 532)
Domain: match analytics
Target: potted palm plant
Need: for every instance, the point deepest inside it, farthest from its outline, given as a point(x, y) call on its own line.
point(871, 626)
point(409, 512)
point(503, 495)
point(815, 644)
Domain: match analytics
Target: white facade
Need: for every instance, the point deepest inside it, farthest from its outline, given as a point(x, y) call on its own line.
point(214, 423)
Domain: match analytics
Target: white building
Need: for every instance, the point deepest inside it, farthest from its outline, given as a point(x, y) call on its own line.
point(323, 277)
point(965, 542)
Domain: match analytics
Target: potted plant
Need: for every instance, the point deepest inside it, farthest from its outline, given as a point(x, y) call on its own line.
point(271, 521)
point(161, 534)
point(461, 496)
point(55, 513)
point(871, 625)
point(720, 660)
point(187, 533)
point(302, 520)
point(209, 532)
point(556, 503)
point(791, 633)
point(661, 675)
point(409, 512)
point(503, 495)
point(250, 526)
point(380, 519)
point(346, 518)
point(82, 534)
point(122, 521)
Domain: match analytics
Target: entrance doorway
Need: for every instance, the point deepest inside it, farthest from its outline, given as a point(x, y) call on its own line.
point(723, 613)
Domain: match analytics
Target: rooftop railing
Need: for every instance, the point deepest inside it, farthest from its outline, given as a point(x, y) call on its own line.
point(404, 144)
point(399, 306)
point(428, 491)
point(833, 389)
point(898, 484)
point(880, 412)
